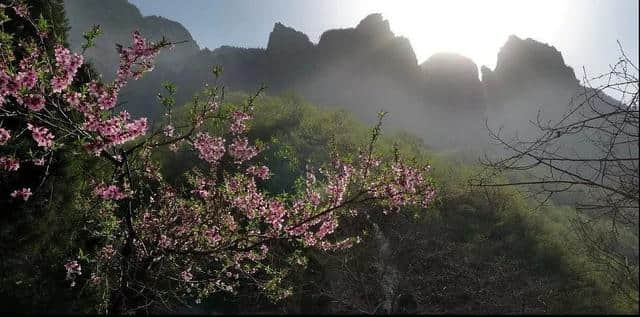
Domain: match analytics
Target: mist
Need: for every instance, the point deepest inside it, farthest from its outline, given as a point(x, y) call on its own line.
point(366, 69)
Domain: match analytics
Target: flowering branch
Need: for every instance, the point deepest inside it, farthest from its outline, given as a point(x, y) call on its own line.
point(200, 238)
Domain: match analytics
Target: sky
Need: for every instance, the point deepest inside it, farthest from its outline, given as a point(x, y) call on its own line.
point(585, 31)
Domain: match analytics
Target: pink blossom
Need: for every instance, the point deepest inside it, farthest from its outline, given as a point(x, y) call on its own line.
point(68, 65)
point(250, 202)
point(7, 86)
point(41, 135)
point(109, 192)
point(73, 98)
point(201, 192)
point(211, 149)
point(276, 213)
point(238, 119)
point(169, 131)
point(107, 252)
point(29, 61)
point(213, 106)
point(261, 172)
point(229, 222)
point(327, 227)
point(38, 162)
point(9, 163)
point(58, 84)
point(24, 193)
point(234, 183)
point(26, 79)
point(429, 196)
point(212, 235)
point(108, 99)
point(310, 239)
point(95, 279)
point(241, 151)
point(33, 102)
point(136, 128)
point(115, 130)
point(4, 136)
point(186, 276)
point(141, 55)
point(21, 10)
point(337, 186)
point(73, 270)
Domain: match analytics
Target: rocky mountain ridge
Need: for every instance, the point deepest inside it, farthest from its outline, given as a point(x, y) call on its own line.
point(364, 69)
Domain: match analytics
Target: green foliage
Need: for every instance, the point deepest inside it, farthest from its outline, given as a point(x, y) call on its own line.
point(503, 222)
point(38, 237)
point(492, 229)
point(90, 37)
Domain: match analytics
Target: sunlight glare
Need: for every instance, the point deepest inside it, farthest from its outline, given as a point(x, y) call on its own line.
point(476, 29)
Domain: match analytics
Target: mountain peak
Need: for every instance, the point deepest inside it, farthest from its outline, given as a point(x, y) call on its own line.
point(528, 57)
point(371, 21)
point(376, 26)
point(286, 39)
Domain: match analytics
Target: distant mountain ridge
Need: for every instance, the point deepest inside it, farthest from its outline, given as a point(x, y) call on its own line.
point(364, 69)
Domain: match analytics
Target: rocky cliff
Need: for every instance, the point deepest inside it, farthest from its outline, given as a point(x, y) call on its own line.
point(364, 69)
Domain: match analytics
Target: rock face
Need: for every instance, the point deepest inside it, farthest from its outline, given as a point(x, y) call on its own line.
point(286, 40)
point(452, 80)
point(529, 76)
point(117, 20)
point(364, 69)
point(522, 61)
point(453, 91)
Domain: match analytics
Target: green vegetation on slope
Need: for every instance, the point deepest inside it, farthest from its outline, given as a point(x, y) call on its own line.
point(476, 250)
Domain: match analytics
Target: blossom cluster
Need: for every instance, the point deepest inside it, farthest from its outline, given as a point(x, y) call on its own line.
point(9, 163)
point(115, 130)
point(34, 82)
point(107, 252)
point(261, 172)
point(338, 182)
point(112, 192)
point(41, 135)
point(211, 149)
point(73, 270)
point(23, 193)
point(22, 84)
point(241, 151)
point(68, 65)
point(404, 186)
point(238, 122)
point(135, 60)
point(222, 211)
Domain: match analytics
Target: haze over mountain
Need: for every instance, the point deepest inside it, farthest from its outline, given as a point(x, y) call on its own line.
point(363, 69)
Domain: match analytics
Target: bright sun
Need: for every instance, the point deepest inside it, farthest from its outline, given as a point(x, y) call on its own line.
point(476, 29)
